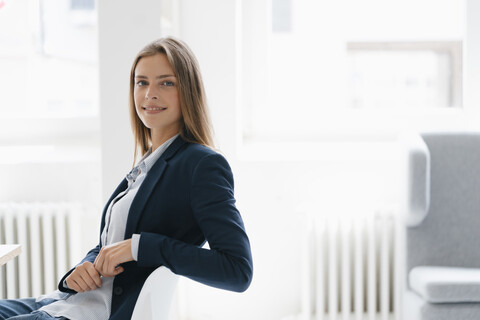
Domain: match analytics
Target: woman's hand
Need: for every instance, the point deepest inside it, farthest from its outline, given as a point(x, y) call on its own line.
point(84, 278)
point(110, 257)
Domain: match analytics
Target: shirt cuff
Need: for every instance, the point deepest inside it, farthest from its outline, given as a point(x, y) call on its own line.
point(135, 243)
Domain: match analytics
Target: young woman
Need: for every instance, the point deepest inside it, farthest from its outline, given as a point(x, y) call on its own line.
point(178, 196)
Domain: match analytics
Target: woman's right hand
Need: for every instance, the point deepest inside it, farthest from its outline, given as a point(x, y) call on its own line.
point(84, 278)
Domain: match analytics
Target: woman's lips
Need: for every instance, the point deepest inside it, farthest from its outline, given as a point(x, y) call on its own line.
point(153, 109)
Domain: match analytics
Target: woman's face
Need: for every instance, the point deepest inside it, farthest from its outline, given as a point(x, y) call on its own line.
point(156, 95)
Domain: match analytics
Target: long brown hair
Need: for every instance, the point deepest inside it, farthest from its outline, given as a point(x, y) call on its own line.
point(196, 126)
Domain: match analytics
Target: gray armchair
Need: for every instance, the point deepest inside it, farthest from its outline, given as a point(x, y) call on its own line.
point(442, 235)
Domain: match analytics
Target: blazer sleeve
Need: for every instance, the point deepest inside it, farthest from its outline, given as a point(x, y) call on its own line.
point(228, 263)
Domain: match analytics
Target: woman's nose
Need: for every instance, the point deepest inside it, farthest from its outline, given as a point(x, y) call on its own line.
point(151, 93)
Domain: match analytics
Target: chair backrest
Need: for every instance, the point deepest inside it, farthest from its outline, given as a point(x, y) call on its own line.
point(156, 296)
point(449, 234)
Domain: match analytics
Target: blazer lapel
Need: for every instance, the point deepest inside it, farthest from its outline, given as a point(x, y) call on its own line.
point(152, 178)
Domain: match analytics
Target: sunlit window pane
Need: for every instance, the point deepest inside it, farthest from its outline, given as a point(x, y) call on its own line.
point(326, 61)
point(405, 75)
point(48, 58)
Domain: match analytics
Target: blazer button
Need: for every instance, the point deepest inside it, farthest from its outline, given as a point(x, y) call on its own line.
point(117, 291)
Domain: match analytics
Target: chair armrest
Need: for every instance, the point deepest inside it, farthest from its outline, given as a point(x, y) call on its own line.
point(446, 284)
point(156, 295)
point(415, 189)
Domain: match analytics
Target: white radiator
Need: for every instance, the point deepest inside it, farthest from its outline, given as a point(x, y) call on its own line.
point(349, 269)
point(50, 237)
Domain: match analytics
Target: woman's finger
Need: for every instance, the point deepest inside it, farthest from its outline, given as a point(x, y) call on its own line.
point(94, 275)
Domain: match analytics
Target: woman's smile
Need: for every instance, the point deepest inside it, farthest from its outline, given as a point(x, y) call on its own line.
point(153, 109)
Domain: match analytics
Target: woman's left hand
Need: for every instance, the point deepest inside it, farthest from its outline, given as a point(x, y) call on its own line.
point(110, 257)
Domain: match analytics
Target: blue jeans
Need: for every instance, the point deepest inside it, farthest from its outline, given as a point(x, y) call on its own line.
point(25, 309)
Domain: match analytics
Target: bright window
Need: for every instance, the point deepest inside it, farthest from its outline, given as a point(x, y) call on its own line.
point(322, 69)
point(409, 75)
point(48, 81)
point(48, 58)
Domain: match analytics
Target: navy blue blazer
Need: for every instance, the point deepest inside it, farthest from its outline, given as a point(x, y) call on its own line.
point(186, 199)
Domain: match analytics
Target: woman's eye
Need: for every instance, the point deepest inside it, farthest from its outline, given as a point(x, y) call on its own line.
point(141, 83)
point(168, 83)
